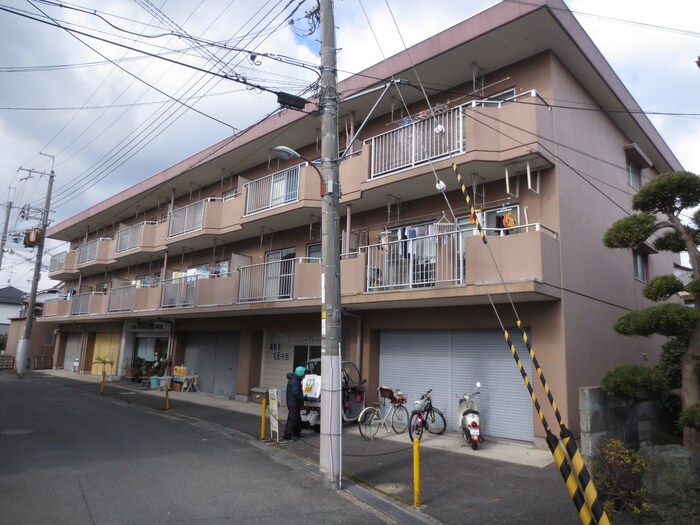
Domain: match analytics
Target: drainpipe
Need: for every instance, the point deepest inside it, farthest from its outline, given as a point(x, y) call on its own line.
point(358, 341)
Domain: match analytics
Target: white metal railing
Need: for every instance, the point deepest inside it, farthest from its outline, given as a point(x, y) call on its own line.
point(268, 281)
point(417, 262)
point(130, 238)
point(416, 142)
point(273, 190)
point(88, 252)
point(521, 228)
point(80, 303)
point(179, 292)
point(58, 262)
point(121, 299)
point(498, 103)
point(186, 219)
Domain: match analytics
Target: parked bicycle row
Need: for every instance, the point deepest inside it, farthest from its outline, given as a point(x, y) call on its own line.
point(424, 417)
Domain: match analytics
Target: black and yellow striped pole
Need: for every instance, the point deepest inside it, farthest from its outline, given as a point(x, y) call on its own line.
point(567, 439)
point(560, 458)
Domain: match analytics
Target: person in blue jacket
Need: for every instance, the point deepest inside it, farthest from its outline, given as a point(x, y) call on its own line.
point(295, 400)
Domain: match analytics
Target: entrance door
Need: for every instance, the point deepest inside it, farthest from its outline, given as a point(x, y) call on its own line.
point(106, 346)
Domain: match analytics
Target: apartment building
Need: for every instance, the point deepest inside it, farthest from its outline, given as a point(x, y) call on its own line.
point(214, 263)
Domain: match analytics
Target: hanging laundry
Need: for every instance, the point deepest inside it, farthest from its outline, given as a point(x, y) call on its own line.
point(509, 220)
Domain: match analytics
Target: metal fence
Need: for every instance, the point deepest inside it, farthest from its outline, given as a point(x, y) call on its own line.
point(58, 262)
point(121, 299)
point(130, 238)
point(268, 281)
point(273, 190)
point(417, 262)
point(417, 141)
point(179, 292)
point(186, 219)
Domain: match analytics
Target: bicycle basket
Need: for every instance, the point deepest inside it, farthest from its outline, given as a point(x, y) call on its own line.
point(420, 404)
point(395, 396)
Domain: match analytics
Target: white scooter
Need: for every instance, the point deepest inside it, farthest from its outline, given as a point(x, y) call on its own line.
point(469, 420)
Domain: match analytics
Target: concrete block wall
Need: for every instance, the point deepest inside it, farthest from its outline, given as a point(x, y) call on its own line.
point(604, 416)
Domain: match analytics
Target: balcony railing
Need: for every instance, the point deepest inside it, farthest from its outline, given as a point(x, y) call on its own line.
point(121, 299)
point(179, 292)
point(88, 251)
point(58, 262)
point(418, 262)
point(274, 190)
point(131, 237)
point(81, 304)
point(417, 142)
point(186, 219)
point(269, 281)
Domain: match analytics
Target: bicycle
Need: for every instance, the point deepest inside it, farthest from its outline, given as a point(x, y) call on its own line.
point(371, 419)
point(425, 417)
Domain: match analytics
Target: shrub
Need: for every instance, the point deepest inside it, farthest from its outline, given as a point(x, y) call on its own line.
point(634, 382)
point(690, 417)
point(617, 472)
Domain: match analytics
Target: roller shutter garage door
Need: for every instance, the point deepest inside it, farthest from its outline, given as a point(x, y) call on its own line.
point(451, 362)
point(213, 357)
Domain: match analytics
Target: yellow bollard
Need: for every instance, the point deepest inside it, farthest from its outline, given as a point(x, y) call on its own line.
point(416, 473)
point(263, 418)
point(167, 398)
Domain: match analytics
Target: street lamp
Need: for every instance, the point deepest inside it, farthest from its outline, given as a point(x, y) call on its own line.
point(285, 153)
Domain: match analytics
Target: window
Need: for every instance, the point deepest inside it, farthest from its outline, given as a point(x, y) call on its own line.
point(313, 251)
point(641, 265)
point(634, 176)
point(496, 221)
point(49, 338)
point(101, 288)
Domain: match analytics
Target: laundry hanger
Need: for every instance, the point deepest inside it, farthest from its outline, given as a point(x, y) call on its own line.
point(443, 219)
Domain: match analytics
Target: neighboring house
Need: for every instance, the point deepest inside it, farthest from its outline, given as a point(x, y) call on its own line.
point(214, 262)
point(40, 349)
point(10, 306)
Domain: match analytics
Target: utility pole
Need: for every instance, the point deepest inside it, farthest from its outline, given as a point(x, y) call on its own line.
point(24, 340)
point(8, 209)
point(330, 457)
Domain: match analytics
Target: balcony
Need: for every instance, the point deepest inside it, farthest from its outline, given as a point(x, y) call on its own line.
point(199, 290)
point(146, 237)
point(420, 262)
point(417, 142)
point(96, 252)
point(272, 191)
point(57, 307)
point(194, 224)
point(91, 303)
point(280, 280)
point(134, 298)
point(525, 259)
point(63, 265)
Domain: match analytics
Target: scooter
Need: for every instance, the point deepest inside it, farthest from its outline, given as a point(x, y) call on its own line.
point(469, 419)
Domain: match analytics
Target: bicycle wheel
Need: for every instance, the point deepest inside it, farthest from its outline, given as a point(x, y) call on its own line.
point(435, 422)
point(399, 419)
point(368, 422)
point(415, 426)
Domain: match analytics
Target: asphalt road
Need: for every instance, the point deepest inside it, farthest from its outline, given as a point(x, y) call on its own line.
point(74, 457)
point(69, 455)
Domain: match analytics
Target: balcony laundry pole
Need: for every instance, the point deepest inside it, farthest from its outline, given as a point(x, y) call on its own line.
point(330, 455)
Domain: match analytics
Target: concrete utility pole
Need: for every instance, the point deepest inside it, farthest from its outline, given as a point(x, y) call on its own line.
point(21, 360)
point(8, 209)
point(330, 457)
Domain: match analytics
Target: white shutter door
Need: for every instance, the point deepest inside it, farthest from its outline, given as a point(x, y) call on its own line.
point(414, 362)
point(504, 402)
point(200, 351)
point(72, 350)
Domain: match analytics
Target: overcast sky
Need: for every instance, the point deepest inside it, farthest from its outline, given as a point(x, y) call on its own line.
point(108, 114)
